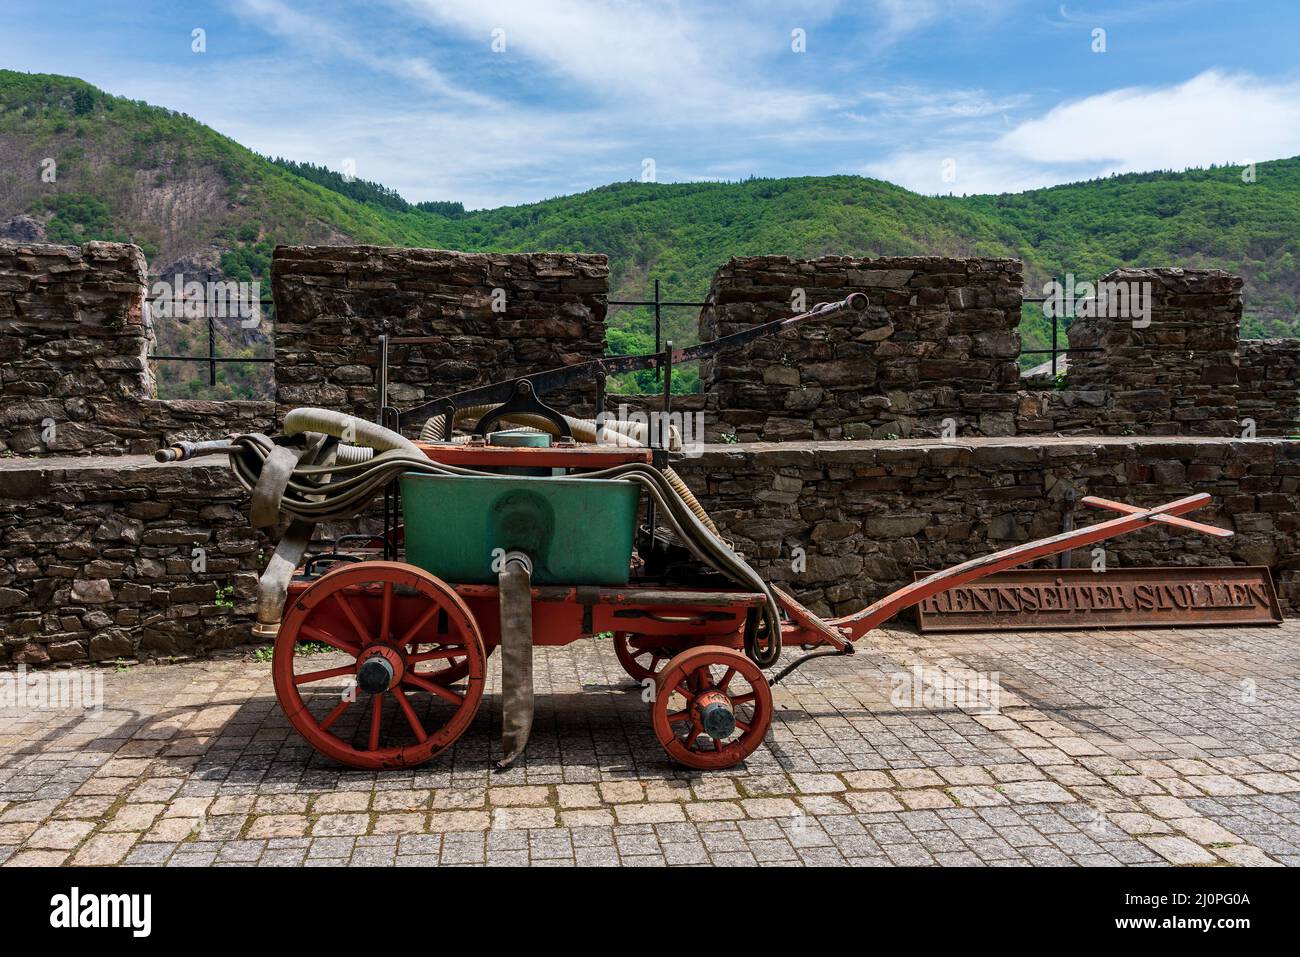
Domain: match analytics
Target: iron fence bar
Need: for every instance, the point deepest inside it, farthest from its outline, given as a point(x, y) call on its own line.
point(211, 358)
point(1055, 350)
point(651, 302)
point(658, 302)
point(658, 324)
point(1066, 351)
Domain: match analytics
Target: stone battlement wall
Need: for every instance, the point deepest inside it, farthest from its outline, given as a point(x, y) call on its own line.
point(938, 346)
point(869, 514)
point(98, 560)
point(73, 341)
point(74, 374)
point(1269, 385)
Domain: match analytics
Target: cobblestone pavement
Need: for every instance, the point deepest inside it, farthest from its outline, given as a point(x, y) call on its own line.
point(1122, 747)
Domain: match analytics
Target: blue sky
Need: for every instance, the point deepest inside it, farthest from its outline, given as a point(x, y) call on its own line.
point(937, 95)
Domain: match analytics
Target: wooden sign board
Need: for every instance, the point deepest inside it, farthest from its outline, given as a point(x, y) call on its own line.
point(1027, 599)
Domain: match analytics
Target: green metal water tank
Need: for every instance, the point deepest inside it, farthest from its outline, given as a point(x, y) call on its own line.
point(577, 531)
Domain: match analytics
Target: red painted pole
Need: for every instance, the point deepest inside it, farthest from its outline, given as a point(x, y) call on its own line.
point(857, 625)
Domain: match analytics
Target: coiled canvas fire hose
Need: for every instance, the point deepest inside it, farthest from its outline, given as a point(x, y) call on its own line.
point(515, 595)
point(341, 463)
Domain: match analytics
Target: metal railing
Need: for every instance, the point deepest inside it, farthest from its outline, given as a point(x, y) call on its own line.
point(210, 358)
point(659, 304)
point(211, 310)
point(1055, 349)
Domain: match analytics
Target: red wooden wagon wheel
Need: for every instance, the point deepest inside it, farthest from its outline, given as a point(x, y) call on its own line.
point(712, 707)
point(457, 669)
point(407, 637)
point(643, 656)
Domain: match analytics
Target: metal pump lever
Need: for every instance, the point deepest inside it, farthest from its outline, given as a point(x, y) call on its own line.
point(552, 379)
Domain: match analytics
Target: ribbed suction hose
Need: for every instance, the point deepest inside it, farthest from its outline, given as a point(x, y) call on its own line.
point(616, 432)
point(687, 496)
point(368, 437)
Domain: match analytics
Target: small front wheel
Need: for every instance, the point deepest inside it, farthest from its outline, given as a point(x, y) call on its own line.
point(712, 707)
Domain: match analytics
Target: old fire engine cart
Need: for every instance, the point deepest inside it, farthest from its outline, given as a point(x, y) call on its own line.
point(509, 525)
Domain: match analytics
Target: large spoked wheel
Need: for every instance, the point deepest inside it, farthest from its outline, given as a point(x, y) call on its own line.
point(643, 656)
point(712, 707)
point(457, 670)
point(402, 639)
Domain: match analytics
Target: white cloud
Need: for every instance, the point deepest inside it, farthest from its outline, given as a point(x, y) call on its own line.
point(1127, 11)
point(623, 82)
point(315, 32)
point(913, 103)
point(1213, 118)
point(672, 62)
point(904, 16)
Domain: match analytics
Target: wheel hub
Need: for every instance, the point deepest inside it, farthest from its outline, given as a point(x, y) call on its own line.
point(714, 712)
point(378, 669)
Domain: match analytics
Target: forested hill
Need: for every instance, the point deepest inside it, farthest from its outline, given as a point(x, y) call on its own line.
point(1240, 220)
point(193, 199)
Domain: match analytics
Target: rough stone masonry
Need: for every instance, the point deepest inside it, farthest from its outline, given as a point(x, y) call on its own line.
point(118, 557)
point(486, 317)
point(1177, 374)
point(1269, 385)
point(866, 515)
point(97, 555)
point(73, 347)
point(75, 378)
point(938, 342)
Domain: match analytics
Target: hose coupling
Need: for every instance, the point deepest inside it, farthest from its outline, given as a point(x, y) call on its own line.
point(520, 557)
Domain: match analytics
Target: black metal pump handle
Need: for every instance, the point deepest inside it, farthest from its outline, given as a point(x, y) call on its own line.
point(524, 400)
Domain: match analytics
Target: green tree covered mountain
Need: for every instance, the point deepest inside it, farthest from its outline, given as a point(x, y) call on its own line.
point(197, 201)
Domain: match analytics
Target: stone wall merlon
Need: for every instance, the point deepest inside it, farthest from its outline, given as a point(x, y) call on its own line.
point(1173, 371)
point(333, 303)
point(1269, 385)
point(73, 346)
point(937, 341)
point(74, 373)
